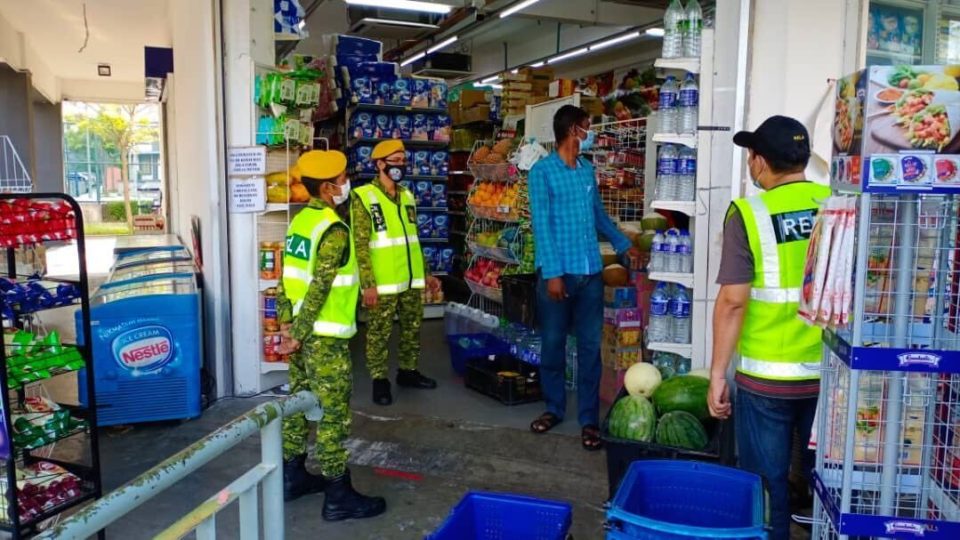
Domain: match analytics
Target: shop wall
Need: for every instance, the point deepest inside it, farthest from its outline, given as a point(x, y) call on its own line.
point(15, 113)
point(16, 51)
point(48, 146)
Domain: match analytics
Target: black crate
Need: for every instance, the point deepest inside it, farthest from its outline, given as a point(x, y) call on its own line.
point(487, 377)
point(520, 298)
point(622, 452)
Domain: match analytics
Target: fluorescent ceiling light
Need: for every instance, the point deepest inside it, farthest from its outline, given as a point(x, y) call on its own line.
point(413, 58)
point(538, 64)
point(517, 7)
point(397, 22)
point(565, 56)
point(515, 71)
point(409, 5)
point(614, 41)
point(488, 85)
point(490, 79)
point(441, 45)
point(659, 32)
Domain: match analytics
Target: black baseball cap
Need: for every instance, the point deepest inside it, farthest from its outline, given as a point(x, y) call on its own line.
point(779, 138)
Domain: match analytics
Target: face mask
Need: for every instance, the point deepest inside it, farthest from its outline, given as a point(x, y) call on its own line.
point(395, 172)
point(344, 194)
point(586, 144)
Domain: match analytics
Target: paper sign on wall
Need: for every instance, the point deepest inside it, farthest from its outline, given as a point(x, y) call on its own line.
point(248, 194)
point(246, 160)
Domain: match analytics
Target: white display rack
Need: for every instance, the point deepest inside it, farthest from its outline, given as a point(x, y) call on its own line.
point(689, 141)
point(684, 350)
point(688, 208)
point(670, 277)
point(691, 65)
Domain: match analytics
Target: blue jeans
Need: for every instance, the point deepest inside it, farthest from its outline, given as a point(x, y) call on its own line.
point(764, 429)
point(581, 312)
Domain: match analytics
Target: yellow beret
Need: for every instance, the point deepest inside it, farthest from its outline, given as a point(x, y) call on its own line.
point(387, 148)
point(322, 164)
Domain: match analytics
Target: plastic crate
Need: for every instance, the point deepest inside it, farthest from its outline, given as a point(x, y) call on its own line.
point(487, 377)
point(463, 347)
point(622, 452)
point(496, 516)
point(683, 500)
point(520, 298)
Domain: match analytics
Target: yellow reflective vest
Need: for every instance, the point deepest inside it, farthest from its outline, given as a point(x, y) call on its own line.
point(394, 244)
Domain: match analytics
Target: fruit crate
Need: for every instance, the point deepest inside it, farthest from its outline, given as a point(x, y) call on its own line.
point(483, 168)
point(495, 516)
point(520, 298)
point(622, 452)
point(464, 347)
point(505, 378)
point(683, 500)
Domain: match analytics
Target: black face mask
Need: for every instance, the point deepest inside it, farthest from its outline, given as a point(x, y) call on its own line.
point(395, 172)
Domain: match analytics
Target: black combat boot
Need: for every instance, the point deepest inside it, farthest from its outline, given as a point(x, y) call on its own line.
point(297, 481)
point(381, 392)
point(343, 502)
point(411, 378)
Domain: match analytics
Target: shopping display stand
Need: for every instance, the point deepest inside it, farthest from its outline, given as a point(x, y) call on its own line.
point(42, 477)
point(888, 431)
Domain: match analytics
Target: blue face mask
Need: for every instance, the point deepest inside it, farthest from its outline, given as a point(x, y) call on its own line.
point(586, 144)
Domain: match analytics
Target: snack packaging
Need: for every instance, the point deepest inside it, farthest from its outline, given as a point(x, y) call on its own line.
point(402, 94)
point(402, 127)
point(425, 225)
point(441, 225)
point(423, 190)
point(419, 132)
point(815, 268)
point(421, 162)
point(383, 126)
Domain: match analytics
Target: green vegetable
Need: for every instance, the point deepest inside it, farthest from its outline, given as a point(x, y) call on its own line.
point(901, 73)
point(633, 418)
point(683, 393)
point(681, 429)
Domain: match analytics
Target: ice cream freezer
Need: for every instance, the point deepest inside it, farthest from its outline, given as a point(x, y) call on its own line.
point(147, 255)
point(151, 268)
point(146, 346)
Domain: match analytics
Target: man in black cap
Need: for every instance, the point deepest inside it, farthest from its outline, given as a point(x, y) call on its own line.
point(765, 243)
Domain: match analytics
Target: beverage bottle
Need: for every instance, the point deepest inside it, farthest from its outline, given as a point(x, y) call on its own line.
point(656, 256)
point(686, 174)
point(673, 19)
point(666, 173)
point(688, 106)
point(680, 315)
point(672, 252)
point(691, 27)
point(658, 329)
point(685, 249)
point(667, 106)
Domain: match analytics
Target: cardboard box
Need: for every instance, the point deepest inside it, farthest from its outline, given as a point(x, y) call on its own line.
point(620, 297)
point(620, 357)
point(562, 88)
point(478, 113)
point(471, 98)
point(615, 336)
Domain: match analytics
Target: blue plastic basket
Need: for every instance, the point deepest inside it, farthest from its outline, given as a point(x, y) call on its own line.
point(496, 516)
point(466, 346)
point(684, 500)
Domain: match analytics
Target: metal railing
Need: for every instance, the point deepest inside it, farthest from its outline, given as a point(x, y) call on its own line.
point(14, 177)
point(265, 418)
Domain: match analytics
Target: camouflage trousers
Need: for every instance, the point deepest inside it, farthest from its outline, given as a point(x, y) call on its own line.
point(407, 307)
point(323, 367)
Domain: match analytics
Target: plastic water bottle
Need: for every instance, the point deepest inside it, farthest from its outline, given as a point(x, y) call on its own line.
point(658, 329)
point(686, 174)
point(690, 29)
point(656, 255)
point(667, 173)
point(667, 107)
point(673, 19)
point(672, 251)
point(688, 106)
point(685, 251)
point(680, 315)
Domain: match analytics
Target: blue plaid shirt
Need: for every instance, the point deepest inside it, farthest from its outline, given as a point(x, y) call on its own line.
point(568, 218)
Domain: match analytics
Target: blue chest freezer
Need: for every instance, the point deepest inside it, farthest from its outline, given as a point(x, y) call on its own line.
point(146, 344)
point(151, 268)
point(154, 254)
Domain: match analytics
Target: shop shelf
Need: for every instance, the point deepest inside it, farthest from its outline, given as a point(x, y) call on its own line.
point(494, 171)
point(503, 214)
point(434, 240)
point(456, 212)
point(432, 208)
point(270, 367)
point(690, 65)
point(411, 177)
point(489, 293)
point(676, 138)
point(684, 207)
point(401, 109)
point(670, 277)
point(268, 283)
point(85, 496)
point(684, 350)
point(947, 505)
point(73, 432)
point(504, 255)
point(460, 173)
point(433, 311)
point(413, 143)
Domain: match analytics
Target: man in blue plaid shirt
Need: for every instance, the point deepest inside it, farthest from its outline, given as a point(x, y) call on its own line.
point(568, 221)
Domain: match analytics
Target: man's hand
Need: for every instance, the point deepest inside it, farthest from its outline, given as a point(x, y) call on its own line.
point(288, 345)
point(433, 284)
point(370, 297)
point(556, 289)
point(718, 398)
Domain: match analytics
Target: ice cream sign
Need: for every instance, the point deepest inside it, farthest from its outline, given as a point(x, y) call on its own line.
point(147, 348)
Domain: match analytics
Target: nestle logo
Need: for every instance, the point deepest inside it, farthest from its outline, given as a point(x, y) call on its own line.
point(919, 359)
point(894, 527)
point(147, 348)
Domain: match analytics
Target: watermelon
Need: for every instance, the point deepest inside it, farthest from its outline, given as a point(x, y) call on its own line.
point(683, 393)
point(681, 429)
point(633, 417)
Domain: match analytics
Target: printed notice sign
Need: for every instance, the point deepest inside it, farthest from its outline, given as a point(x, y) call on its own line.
point(246, 160)
point(248, 195)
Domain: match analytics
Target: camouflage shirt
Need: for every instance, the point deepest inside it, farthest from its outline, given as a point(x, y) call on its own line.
point(332, 253)
point(362, 229)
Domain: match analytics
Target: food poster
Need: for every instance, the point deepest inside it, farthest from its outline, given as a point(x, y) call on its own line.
point(633, 93)
point(894, 34)
point(867, 431)
point(846, 167)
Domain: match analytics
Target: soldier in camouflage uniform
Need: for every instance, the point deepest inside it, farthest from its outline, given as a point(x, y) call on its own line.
point(317, 308)
point(393, 271)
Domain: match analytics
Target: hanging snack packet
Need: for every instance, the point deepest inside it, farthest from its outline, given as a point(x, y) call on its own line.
point(832, 258)
point(844, 243)
point(814, 271)
point(847, 294)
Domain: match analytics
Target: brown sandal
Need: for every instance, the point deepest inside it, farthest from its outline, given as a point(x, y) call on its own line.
point(590, 438)
point(545, 423)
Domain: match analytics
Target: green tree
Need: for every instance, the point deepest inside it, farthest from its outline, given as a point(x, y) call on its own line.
point(119, 129)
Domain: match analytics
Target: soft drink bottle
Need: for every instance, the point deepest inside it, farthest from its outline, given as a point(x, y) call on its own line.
point(658, 329)
point(686, 174)
point(672, 38)
point(688, 106)
point(691, 29)
point(668, 101)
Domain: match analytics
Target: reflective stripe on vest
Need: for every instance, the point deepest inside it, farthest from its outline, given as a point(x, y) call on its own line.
point(774, 343)
point(395, 252)
point(337, 316)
